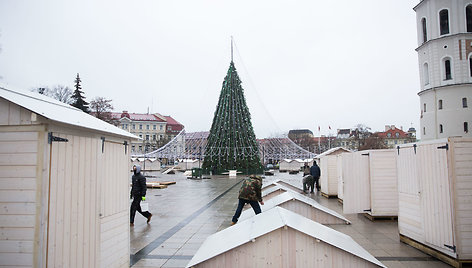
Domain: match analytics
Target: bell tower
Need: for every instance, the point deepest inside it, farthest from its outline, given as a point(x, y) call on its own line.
point(445, 62)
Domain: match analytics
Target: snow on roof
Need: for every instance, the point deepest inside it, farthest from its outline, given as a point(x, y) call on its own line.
point(332, 150)
point(264, 223)
point(60, 112)
point(287, 196)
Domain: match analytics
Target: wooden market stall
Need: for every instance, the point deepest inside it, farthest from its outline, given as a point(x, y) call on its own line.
point(63, 176)
point(435, 198)
point(370, 183)
point(281, 238)
point(328, 162)
point(302, 205)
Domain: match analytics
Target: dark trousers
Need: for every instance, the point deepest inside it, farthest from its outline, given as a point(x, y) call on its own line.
point(242, 202)
point(136, 206)
point(317, 182)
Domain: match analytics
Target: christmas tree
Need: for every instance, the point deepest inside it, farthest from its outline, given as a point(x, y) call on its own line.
point(232, 143)
point(78, 100)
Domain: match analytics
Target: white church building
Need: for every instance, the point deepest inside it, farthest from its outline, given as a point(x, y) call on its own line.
point(445, 63)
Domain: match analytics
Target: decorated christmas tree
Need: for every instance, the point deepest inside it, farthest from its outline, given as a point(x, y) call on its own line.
point(232, 143)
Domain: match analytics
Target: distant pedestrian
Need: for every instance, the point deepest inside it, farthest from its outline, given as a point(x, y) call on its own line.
point(138, 193)
point(316, 173)
point(306, 169)
point(307, 182)
point(250, 193)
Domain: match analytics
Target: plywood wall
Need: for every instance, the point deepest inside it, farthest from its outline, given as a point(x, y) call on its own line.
point(18, 199)
point(310, 212)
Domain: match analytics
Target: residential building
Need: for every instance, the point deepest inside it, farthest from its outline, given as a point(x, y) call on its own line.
point(394, 136)
point(445, 62)
point(154, 129)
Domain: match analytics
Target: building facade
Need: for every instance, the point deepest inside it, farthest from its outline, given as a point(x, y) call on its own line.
point(154, 129)
point(445, 61)
point(393, 136)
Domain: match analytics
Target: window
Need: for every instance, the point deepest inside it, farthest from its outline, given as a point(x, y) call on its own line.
point(160, 137)
point(444, 21)
point(426, 74)
point(133, 148)
point(440, 105)
point(147, 127)
point(140, 148)
point(464, 102)
point(153, 127)
point(141, 136)
point(425, 34)
point(468, 18)
point(447, 69)
point(397, 134)
point(133, 126)
point(389, 135)
point(147, 137)
point(169, 128)
point(440, 128)
point(424, 107)
point(154, 137)
point(424, 130)
point(470, 66)
point(140, 126)
point(466, 127)
point(160, 127)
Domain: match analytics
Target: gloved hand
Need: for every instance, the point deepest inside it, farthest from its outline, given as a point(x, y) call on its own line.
point(143, 198)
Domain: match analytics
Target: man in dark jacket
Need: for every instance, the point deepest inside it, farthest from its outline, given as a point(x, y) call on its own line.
point(138, 193)
point(316, 173)
point(250, 192)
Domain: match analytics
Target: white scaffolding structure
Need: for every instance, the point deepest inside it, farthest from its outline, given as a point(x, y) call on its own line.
point(192, 145)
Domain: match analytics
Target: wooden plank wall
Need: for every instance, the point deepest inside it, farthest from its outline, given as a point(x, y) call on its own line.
point(339, 166)
point(333, 175)
point(435, 196)
point(461, 156)
point(89, 194)
point(410, 221)
point(18, 161)
point(383, 183)
point(73, 211)
point(286, 248)
point(115, 175)
point(356, 183)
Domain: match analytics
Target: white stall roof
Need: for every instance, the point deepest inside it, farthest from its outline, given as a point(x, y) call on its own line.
point(332, 150)
point(287, 196)
point(60, 112)
point(264, 223)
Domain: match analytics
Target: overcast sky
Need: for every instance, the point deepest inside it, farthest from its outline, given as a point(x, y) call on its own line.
point(303, 64)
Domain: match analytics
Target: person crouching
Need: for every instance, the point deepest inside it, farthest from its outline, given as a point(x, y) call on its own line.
point(250, 193)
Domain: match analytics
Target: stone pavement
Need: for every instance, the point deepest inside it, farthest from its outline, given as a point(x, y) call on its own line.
point(186, 213)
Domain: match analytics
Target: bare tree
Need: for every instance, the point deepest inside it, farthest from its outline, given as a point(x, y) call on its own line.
point(101, 108)
point(373, 142)
point(58, 92)
point(62, 93)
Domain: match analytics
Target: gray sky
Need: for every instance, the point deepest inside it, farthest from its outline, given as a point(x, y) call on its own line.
point(303, 64)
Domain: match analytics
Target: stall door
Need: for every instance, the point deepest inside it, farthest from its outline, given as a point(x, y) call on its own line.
point(435, 193)
point(356, 183)
point(73, 222)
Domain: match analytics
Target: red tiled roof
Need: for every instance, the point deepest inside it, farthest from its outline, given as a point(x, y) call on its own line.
point(138, 117)
point(401, 134)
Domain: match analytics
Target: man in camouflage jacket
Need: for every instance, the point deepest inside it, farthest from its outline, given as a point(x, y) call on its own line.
point(250, 193)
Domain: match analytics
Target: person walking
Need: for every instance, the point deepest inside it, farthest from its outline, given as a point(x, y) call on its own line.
point(138, 193)
point(316, 173)
point(250, 193)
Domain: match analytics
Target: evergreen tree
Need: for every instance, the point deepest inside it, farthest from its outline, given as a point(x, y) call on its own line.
point(232, 143)
point(78, 100)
